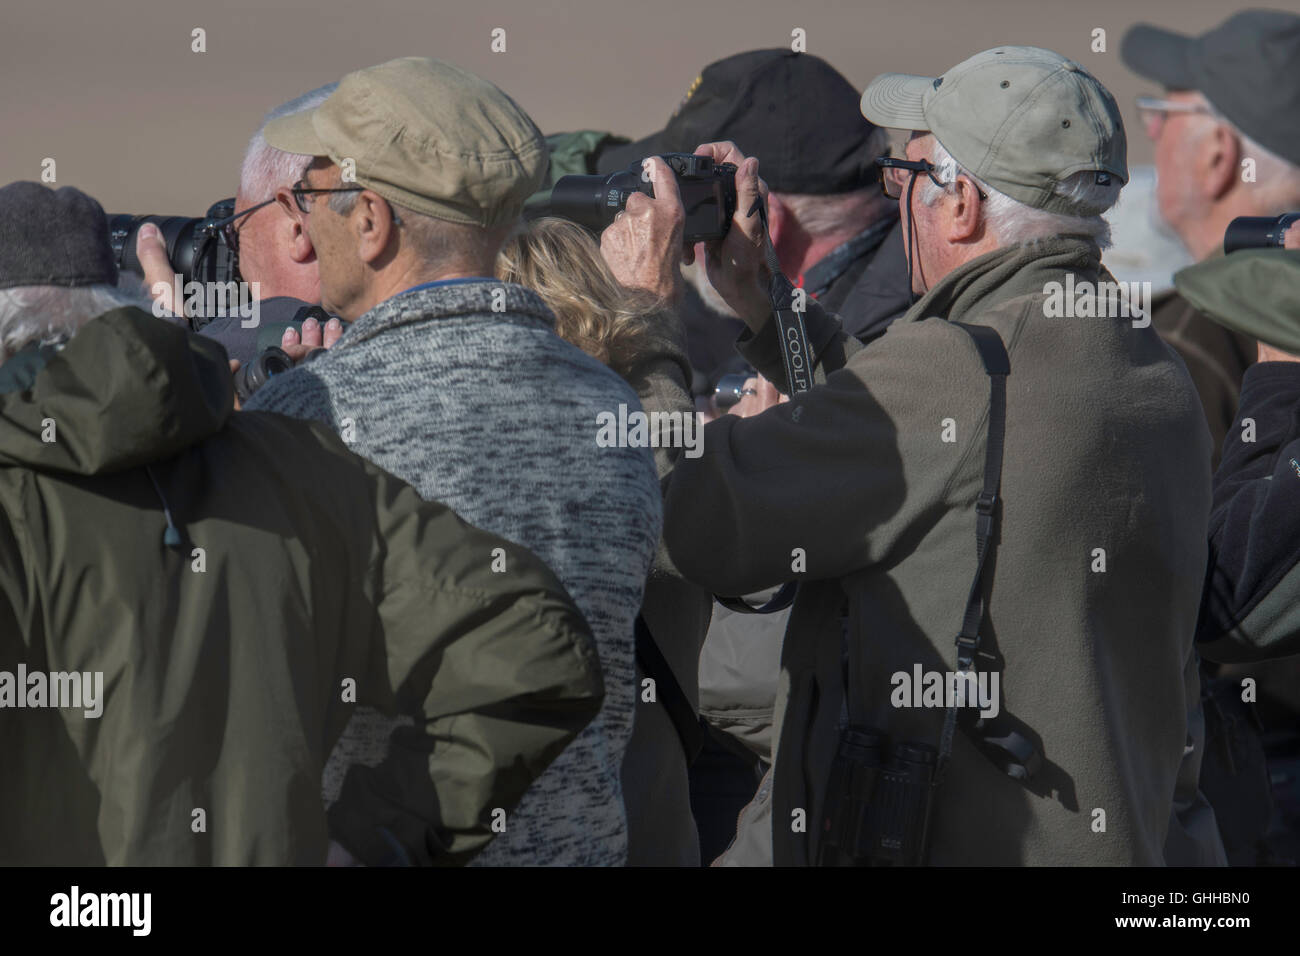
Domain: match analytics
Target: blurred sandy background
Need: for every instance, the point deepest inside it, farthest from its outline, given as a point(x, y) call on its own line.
point(114, 94)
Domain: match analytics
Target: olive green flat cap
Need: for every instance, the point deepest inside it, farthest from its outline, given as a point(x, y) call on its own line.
point(428, 136)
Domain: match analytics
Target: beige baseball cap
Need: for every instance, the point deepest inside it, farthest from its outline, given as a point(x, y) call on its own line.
point(1020, 118)
point(426, 135)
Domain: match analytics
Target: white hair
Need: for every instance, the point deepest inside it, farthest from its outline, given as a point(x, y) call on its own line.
point(266, 168)
point(835, 214)
point(1011, 221)
point(51, 313)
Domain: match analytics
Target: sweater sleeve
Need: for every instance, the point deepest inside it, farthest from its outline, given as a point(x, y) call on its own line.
point(482, 645)
point(1249, 609)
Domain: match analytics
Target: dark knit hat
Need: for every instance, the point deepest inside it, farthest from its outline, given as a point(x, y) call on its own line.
point(53, 237)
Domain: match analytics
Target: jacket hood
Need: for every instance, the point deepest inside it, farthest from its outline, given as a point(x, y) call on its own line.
point(127, 390)
point(1256, 292)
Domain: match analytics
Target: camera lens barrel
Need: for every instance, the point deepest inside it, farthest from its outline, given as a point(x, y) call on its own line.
point(249, 378)
point(1258, 232)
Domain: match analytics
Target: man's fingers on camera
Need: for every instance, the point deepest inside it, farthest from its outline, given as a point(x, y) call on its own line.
point(333, 332)
point(665, 184)
point(298, 347)
point(234, 367)
point(1292, 238)
point(159, 277)
point(724, 152)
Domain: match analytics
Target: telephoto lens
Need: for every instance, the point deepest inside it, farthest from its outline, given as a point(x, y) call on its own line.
point(196, 249)
point(273, 361)
point(1258, 232)
point(708, 192)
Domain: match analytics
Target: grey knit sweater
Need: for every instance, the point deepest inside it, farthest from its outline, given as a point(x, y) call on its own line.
point(494, 414)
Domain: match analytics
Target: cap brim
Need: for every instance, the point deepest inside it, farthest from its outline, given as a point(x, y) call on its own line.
point(896, 100)
point(295, 134)
point(617, 158)
point(1159, 55)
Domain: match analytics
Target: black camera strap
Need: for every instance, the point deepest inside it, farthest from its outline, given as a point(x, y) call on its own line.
point(1009, 750)
point(798, 374)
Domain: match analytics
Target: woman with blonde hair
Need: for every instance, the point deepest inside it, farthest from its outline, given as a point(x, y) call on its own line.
point(637, 335)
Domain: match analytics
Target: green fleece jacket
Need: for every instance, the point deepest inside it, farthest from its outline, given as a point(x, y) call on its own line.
point(873, 474)
point(299, 583)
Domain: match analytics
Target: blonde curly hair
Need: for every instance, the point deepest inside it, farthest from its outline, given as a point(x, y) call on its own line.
point(561, 262)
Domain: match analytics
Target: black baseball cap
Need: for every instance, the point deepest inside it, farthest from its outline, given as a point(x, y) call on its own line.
point(794, 111)
point(1248, 67)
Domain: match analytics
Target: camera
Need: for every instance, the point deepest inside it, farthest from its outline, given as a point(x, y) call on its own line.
point(879, 801)
point(708, 195)
point(1258, 232)
point(249, 378)
point(196, 248)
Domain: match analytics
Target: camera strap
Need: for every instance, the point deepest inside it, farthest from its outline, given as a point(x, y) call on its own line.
point(798, 360)
point(1010, 750)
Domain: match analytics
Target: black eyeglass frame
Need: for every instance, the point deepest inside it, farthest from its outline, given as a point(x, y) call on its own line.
point(915, 166)
point(298, 191)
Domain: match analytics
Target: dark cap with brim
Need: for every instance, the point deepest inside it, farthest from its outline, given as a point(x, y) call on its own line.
point(53, 237)
point(793, 111)
point(1248, 68)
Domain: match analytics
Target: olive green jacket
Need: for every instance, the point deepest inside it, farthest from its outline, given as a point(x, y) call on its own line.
point(868, 482)
point(299, 582)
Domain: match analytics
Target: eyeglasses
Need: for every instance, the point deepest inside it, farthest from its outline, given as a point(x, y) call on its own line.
point(301, 189)
point(895, 174)
point(1154, 111)
point(226, 227)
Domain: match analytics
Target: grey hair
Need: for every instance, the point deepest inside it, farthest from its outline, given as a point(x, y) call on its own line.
point(51, 313)
point(265, 168)
point(835, 214)
point(1011, 221)
point(438, 241)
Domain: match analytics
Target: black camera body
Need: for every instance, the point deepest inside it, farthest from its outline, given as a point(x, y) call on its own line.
point(708, 195)
point(879, 802)
point(1258, 232)
point(196, 249)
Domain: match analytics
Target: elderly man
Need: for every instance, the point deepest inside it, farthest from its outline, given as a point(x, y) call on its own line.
point(833, 231)
point(1064, 448)
point(458, 383)
point(1227, 144)
point(218, 593)
point(274, 252)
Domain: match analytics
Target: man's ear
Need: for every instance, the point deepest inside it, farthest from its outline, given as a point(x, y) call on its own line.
point(1219, 159)
point(299, 243)
point(373, 221)
point(964, 223)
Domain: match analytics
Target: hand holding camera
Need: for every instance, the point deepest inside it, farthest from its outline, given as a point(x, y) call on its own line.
point(643, 245)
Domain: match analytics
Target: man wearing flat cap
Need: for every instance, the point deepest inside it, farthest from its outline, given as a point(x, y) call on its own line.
point(1227, 144)
point(203, 583)
point(1030, 479)
point(458, 383)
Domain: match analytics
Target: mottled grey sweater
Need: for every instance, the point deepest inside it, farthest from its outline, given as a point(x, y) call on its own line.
point(494, 414)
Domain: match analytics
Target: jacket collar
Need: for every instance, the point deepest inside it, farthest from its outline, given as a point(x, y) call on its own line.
point(1009, 273)
point(483, 298)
